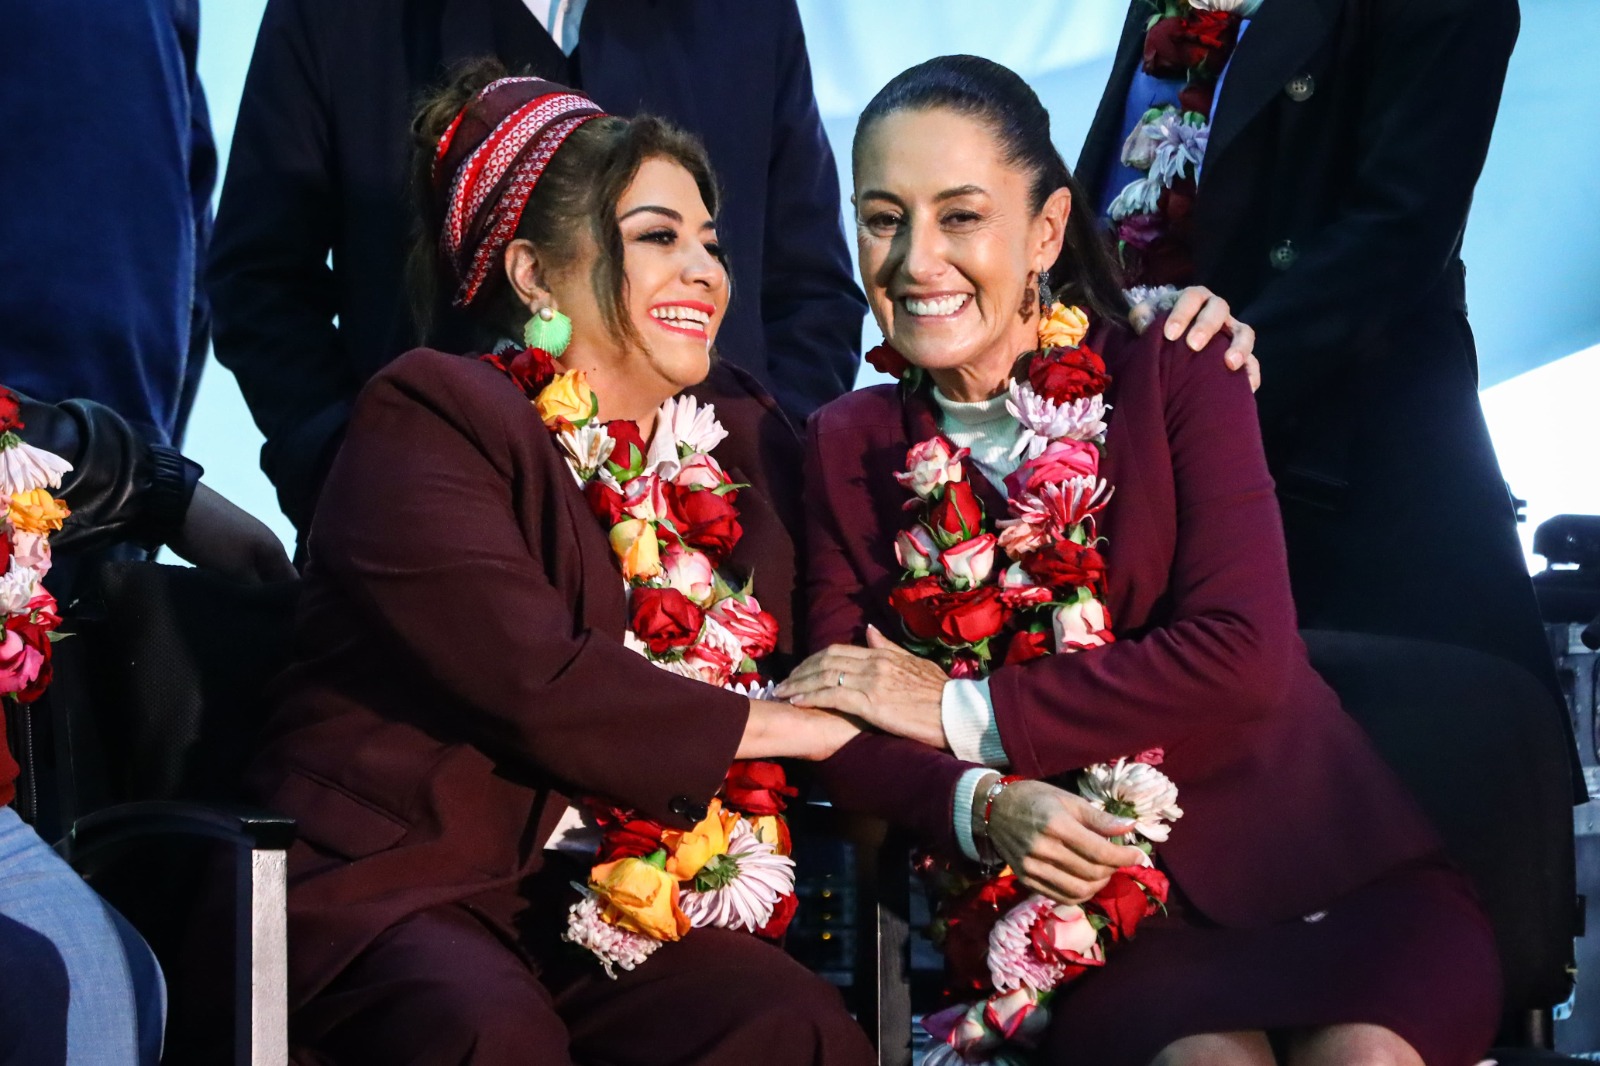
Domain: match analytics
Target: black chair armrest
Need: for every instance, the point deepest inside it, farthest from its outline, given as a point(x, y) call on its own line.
point(114, 828)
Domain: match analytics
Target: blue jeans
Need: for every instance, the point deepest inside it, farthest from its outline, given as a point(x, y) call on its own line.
point(115, 1005)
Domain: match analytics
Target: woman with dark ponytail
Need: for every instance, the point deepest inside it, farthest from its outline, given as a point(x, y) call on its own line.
point(983, 599)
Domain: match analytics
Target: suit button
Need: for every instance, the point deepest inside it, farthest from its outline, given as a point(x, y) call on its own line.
point(1301, 88)
point(1283, 255)
point(684, 807)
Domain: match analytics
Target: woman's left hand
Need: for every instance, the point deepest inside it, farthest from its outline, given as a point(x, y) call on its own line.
point(882, 684)
point(1203, 313)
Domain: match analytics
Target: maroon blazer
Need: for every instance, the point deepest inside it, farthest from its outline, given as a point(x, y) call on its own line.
point(1287, 806)
point(459, 668)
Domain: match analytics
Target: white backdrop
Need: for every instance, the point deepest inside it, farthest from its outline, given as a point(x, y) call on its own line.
point(1533, 246)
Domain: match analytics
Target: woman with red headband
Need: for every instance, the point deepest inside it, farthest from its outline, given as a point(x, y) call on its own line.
point(542, 591)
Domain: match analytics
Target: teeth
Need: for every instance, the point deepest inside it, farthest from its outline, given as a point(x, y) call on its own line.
point(944, 305)
point(674, 313)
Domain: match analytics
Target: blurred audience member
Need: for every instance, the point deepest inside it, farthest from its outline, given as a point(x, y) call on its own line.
point(105, 206)
point(80, 985)
point(319, 165)
point(1314, 164)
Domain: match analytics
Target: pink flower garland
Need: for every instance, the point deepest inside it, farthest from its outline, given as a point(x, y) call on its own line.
point(960, 609)
point(28, 615)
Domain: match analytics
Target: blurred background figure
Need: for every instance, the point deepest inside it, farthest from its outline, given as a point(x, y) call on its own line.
point(105, 206)
point(1314, 164)
point(308, 268)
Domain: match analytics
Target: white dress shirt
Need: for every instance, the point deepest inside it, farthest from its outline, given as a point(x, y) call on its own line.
point(560, 19)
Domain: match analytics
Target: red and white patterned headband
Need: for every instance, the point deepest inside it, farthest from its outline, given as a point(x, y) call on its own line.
point(491, 185)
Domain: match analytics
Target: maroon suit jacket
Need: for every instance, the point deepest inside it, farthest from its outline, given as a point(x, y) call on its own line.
point(459, 667)
point(1287, 805)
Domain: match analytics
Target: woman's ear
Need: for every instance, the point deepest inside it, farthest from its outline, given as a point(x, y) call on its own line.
point(525, 274)
point(1052, 225)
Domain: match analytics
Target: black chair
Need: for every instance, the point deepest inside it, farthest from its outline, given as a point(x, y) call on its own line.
point(1484, 747)
point(159, 692)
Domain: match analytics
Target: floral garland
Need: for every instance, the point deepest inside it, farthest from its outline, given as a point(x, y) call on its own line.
point(1189, 41)
point(27, 474)
point(668, 508)
point(955, 608)
point(1008, 950)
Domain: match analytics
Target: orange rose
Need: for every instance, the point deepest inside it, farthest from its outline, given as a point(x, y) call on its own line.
point(634, 541)
point(36, 511)
point(567, 401)
point(772, 829)
point(1065, 328)
point(640, 897)
point(691, 849)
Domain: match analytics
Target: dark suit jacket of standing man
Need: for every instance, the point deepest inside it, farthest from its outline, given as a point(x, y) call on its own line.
point(1345, 144)
point(321, 155)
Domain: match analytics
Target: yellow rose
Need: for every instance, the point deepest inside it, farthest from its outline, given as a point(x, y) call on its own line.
point(640, 897)
point(689, 850)
point(36, 511)
point(771, 829)
point(634, 541)
point(1065, 328)
point(566, 401)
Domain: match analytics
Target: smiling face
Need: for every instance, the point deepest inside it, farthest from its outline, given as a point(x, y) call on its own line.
point(674, 296)
point(950, 246)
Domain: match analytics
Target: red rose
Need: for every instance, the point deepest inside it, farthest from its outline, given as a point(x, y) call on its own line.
point(629, 838)
point(1197, 97)
point(530, 369)
point(605, 501)
point(1203, 41)
point(968, 920)
point(627, 437)
point(958, 515)
point(782, 915)
point(33, 626)
point(1068, 374)
point(912, 602)
point(955, 618)
point(977, 615)
point(1028, 645)
point(665, 619)
point(757, 788)
point(10, 411)
point(1065, 565)
point(708, 521)
point(886, 360)
point(5, 552)
point(1133, 894)
point(749, 677)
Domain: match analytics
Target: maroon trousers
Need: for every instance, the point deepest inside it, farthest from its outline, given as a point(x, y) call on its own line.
point(488, 982)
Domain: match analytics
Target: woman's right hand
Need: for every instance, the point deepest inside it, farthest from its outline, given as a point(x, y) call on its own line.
point(778, 730)
point(1055, 842)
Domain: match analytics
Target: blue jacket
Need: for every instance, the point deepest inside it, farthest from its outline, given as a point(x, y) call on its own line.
point(104, 205)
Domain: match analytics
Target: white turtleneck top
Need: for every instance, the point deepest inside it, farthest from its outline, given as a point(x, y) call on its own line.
point(966, 710)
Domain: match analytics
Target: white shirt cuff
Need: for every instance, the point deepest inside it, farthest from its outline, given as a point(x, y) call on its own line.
point(966, 711)
point(961, 810)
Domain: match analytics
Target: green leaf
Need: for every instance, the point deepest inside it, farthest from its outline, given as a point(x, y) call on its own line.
point(657, 858)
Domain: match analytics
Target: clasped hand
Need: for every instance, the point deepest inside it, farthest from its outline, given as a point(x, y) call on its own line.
point(882, 684)
point(1057, 844)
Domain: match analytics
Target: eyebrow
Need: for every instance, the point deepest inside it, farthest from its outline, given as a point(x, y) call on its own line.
point(948, 194)
point(709, 223)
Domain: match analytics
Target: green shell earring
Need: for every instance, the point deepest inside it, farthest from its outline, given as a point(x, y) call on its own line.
point(548, 329)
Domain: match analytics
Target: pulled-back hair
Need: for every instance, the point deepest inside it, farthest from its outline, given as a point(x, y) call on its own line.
point(579, 189)
point(994, 95)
